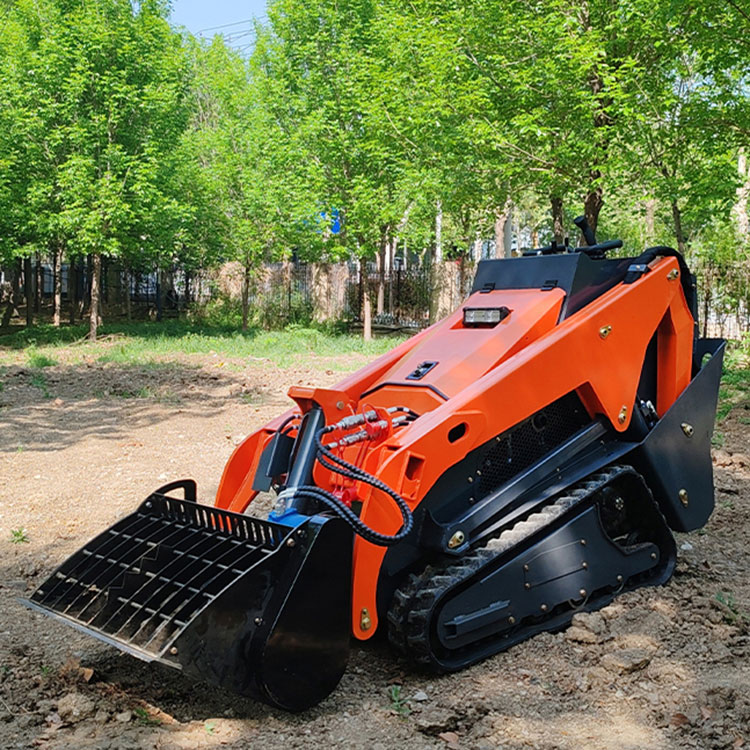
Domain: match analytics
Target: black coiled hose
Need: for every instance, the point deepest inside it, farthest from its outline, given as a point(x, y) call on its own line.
point(338, 465)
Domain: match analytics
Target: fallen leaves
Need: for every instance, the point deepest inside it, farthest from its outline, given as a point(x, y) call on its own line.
point(451, 739)
point(74, 672)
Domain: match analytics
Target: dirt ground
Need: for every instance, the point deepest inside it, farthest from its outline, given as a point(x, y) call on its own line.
point(659, 668)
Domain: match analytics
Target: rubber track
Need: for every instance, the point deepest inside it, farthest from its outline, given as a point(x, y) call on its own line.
point(409, 616)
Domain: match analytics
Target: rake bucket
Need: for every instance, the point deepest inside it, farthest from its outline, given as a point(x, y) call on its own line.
point(220, 596)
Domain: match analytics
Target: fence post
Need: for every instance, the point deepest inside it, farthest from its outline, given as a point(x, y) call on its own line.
point(398, 293)
point(28, 285)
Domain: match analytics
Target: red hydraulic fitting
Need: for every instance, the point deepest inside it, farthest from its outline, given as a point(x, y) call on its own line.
point(346, 496)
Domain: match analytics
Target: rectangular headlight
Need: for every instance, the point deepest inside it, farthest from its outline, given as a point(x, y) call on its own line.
point(484, 317)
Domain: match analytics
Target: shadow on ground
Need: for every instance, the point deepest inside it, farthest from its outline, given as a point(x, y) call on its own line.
point(53, 408)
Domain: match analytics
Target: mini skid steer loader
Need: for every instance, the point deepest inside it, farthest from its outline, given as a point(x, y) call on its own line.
point(524, 459)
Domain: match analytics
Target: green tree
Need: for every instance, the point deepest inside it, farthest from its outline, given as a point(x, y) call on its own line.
point(103, 84)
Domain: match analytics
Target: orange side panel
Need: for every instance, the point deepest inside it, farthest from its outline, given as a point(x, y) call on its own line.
point(598, 351)
point(465, 354)
point(235, 488)
point(421, 399)
point(674, 358)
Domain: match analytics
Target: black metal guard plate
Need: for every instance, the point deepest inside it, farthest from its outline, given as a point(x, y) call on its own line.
point(676, 460)
point(552, 571)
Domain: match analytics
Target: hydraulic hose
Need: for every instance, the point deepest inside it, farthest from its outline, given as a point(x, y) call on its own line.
point(360, 527)
point(343, 468)
point(339, 466)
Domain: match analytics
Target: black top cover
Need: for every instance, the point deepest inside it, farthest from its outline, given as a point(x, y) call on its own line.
point(582, 279)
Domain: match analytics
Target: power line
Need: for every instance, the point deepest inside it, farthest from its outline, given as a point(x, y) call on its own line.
point(235, 35)
point(224, 26)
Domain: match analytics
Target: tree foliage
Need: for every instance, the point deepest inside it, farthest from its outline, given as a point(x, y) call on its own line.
point(356, 124)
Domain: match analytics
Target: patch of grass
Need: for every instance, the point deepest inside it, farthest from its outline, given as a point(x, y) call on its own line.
point(732, 613)
point(399, 705)
point(146, 342)
point(19, 536)
point(735, 384)
point(37, 360)
point(145, 719)
point(126, 393)
point(39, 381)
point(210, 726)
point(142, 392)
point(252, 398)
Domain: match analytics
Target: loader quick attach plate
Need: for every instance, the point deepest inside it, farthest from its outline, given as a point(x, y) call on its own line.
point(219, 595)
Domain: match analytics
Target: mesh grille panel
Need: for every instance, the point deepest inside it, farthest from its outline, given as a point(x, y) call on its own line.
point(530, 440)
point(142, 581)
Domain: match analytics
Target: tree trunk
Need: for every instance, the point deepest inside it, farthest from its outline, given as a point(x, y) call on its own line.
point(476, 248)
point(593, 203)
point(159, 295)
point(558, 219)
point(504, 230)
point(500, 218)
point(17, 286)
point(743, 192)
point(366, 304)
point(508, 232)
point(96, 273)
point(128, 287)
point(187, 290)
point(12, 300)
point(321, 291)
point(287, 270)
point(38, 284)
point(677, 217)
point(391, 266)
point(57, 284)
point(246, 297)
point(650, 221)
point(439, 233)
point(87, 287)
point(28, 283)
point(72, 289)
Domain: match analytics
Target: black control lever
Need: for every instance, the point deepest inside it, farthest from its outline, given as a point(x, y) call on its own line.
point(595, 250)
point(586, 230)
point(599, 251)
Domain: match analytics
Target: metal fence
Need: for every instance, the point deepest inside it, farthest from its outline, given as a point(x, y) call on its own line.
point(284, 293)
point(399, 299)
point(143, 293)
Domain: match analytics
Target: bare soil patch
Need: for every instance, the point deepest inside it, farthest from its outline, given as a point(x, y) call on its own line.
point(659, 668)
